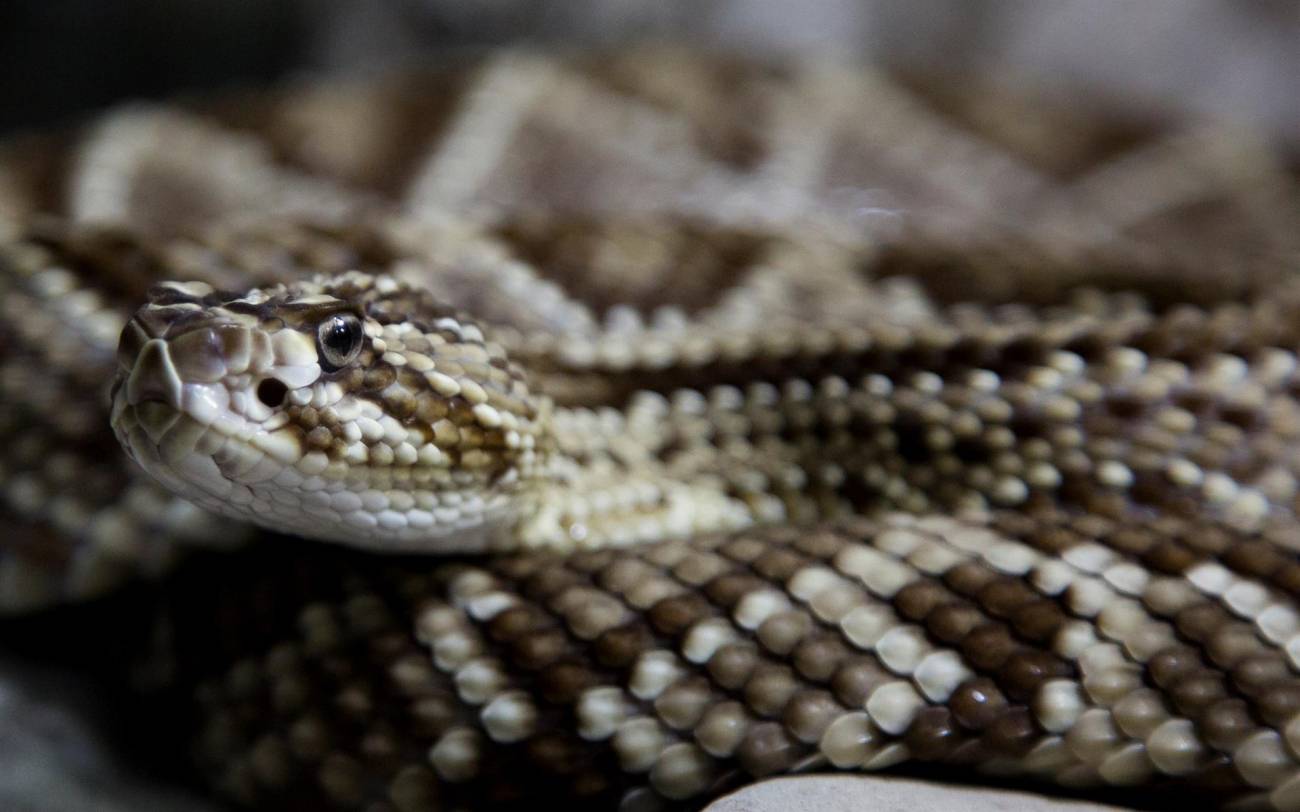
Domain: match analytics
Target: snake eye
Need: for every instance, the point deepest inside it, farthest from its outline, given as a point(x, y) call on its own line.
point(338, 340)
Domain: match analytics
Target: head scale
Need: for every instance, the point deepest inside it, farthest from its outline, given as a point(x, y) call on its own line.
point(352, 408)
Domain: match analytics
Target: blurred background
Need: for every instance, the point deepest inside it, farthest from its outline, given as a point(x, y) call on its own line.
point(61, 60)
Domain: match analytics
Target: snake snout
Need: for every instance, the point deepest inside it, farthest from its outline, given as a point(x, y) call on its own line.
point(153, 377)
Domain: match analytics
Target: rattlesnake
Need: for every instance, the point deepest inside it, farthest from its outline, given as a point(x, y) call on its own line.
point(765, 419)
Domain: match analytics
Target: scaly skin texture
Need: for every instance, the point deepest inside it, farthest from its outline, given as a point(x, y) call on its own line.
point(868, 426)
point(1097, 511)
point(1013, 646)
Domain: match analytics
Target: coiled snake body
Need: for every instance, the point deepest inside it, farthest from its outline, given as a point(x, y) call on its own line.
point(719, 422)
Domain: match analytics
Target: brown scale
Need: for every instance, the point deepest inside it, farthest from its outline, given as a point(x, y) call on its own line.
point(899, 364)
point(933, 736)
point(1287, 578)
point(1201, 694)
point(952, 621)
point(546, 580)
point(1220, 775)
point(731, 665)
point(1236, 664)
point(353, 698)
point(673, 616)
point(820, 545)
point(1175, 547)
point(558, 677)
point(1021, 667)
point(541, 649)
point(700, 568)
point(809, 713)
point(977, 704)
point(769, 688)
point(682, 705)
point(1216, 445)
point(918, 599)
point(1271, 562)
point(1047, 524)
point(991, 645)
point(533, 637)
point(856, 678)
point(669, 616)
point(727, 590)
point(1171, 558)
point(723, 591)
point(784, 632)
point(1226, 723)
point(977, 708)
point(619, 647)
point(768, 749)
point(1014, 733)
point(1227, 642)
point(1196, 691)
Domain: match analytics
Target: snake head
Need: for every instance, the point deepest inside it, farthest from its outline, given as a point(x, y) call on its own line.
point(354, 408)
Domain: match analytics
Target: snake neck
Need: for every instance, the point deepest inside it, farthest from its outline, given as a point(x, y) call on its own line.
point(611, 477)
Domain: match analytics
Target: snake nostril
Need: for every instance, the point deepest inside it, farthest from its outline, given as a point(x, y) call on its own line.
point(272, 392)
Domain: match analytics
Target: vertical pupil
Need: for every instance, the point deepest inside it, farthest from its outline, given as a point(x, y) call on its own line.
point(340, 336)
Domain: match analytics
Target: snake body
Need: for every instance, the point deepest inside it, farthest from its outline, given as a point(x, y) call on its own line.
point(719, 421)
